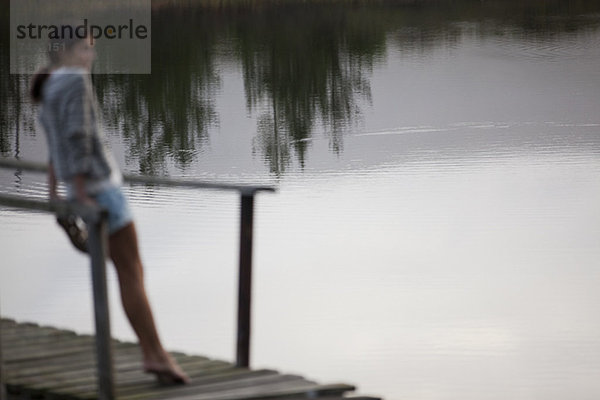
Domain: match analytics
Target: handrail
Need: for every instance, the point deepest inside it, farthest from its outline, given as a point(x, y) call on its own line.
point(143, 179)
point(53, 206)
point(96, 220)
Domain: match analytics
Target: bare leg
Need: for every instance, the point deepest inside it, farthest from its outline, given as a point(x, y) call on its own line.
point(124, 252)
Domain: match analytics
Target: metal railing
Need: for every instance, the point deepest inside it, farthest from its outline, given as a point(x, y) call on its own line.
point(95, 218)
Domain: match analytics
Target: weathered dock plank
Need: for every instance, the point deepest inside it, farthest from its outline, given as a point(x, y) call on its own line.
point(48, 363)
point(138, 392)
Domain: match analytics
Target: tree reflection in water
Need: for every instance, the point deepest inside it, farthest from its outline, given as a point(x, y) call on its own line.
point(306, 68)
point(167, 114)
point(307, 65)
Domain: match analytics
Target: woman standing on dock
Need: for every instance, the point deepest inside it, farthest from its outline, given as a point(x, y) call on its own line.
point(69, 117)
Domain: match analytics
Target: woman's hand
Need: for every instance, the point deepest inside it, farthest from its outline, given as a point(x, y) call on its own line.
point(80, 193)
point(86, 200)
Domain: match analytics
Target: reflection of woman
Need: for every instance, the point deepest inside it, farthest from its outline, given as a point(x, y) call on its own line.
point(78, 158)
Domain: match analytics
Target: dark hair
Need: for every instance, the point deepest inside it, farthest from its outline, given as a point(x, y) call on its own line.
point(56, 48)
point(37, 81)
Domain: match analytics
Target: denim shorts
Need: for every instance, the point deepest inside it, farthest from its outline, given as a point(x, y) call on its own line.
point(119, 213)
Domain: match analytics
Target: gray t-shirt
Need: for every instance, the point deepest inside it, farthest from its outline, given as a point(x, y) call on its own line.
point(69, 117)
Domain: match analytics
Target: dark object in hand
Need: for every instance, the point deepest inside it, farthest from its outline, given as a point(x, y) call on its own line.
point(76, 230)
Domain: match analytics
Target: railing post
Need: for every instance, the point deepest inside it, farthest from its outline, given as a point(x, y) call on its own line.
point(97, 250)
point(245, 279)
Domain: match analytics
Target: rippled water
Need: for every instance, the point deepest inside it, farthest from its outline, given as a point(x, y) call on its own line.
point(435, 233)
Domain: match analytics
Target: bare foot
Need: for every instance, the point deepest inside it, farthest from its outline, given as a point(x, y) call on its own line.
point(166, 370)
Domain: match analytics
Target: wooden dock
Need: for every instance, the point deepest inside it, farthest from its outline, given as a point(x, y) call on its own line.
point(41, 362)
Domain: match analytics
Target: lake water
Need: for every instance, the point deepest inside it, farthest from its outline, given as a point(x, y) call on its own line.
point(436, 230)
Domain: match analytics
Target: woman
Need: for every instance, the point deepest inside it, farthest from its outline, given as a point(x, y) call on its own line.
point(79, 159)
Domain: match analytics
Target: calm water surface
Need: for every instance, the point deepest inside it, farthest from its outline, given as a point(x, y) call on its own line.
point(436, 230)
